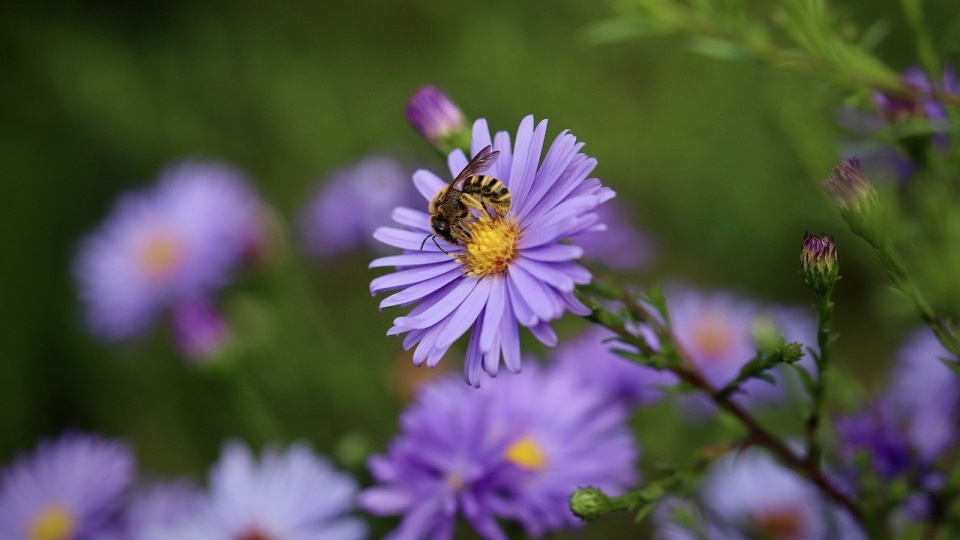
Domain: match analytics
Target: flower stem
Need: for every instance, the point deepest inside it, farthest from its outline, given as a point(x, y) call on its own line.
point(818, 391)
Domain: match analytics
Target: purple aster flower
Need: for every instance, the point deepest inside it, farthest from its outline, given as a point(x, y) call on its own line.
point(516, 449)
point(352, 203)
point(69, 488)
point(180, 239)
point(291, 494)
point(924, 105)
point(590, 357)
point(515, 269)
point(720, 332)
point(621, 246)
point(927, 393)
point(749, 495)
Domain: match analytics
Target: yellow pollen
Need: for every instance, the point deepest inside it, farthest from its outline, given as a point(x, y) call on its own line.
point(526, 453)
point(491, 247)
point(711, 336)
point(53, 523)
point(159, 254)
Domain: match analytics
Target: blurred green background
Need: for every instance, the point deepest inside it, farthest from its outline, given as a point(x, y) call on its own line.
point(718, 160)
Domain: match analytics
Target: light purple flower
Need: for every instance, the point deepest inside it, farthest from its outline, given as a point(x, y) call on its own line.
point(352, 203)
point(182, 238)
point(926, 105)
point(515, 271)
point(719, 331)
point(749, 495)
point(590, 357)
point(516, 449)
point(927, 393)
point(70, 487)
point(290, 494)
point(622, 246)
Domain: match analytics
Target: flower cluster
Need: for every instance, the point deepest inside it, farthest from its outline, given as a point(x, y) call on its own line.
point(81, 486)
point(514, 450)
point(170, 248)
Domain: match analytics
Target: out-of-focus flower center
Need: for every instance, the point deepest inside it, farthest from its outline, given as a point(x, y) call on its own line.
point(780, 523)
point(254, 533)
point(52, 523)
point(492, 246)
point(160, 254)
point(527, 453)
point(711, 335)
point(455, 481)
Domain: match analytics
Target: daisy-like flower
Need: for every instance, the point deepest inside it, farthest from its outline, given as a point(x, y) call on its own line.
point(180, 239)
point(515, 450)
point(161, 511)
point(71, 487)
point(749, 495)
point(718, 331)
point(352, 203)
point(514, 270)
point(291, 494)
point(590, 356)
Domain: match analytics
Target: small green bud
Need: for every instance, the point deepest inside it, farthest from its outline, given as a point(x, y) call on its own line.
point(818, 262)
point(589, 503)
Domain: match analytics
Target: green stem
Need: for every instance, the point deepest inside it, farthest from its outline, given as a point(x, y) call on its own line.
point(926, 51)
point(824, 308)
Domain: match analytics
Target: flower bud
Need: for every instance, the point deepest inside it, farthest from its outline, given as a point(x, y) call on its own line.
point(435, 116)
point(818, 262)
point(849, 187)
point(589, 503)
point(199, 331)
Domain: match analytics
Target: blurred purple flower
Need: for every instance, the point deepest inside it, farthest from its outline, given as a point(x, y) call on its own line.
point(877, 433)
point(590, 357)
point(70, 487)
point(514, 449)
point(720, 332)
point(350, 204)
point(165, 510)
point(621, 246)
point(749, 495)
point(516, 271)
point(180, 239)
point(925, 105)
point(291, 494)
point(927, 393)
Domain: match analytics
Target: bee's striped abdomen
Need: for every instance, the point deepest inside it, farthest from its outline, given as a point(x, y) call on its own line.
point(489, 190)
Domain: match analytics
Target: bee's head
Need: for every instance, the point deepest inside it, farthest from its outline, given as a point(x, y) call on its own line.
point(441, 227)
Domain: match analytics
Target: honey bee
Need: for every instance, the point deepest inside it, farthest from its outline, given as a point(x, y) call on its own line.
point(451, 206)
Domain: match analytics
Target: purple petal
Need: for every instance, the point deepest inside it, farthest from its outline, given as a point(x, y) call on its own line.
point(547, 273)
point(510, 342)
point(492, 314)
point(456, 162)
point(410, 240)
point(427, 183)
point(410, 259)
point(544, 334)
point(410, 276)
point(443, 306)
point(554, 252)
point(472, 362)
point(415, 219)
point(420, 290)
point(465, 314)
point(529, 146)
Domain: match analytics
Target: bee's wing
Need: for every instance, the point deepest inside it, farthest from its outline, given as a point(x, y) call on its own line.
point(478, 164)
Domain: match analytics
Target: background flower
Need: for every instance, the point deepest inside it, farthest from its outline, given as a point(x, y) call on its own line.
point(70, 487)
point(351, 203)
point(180, 239)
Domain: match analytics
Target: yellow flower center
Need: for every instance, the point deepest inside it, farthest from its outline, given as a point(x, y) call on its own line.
point(160, 254)
point(53, 523)
point(492, 245)
point(711, 336)
point(527, 453)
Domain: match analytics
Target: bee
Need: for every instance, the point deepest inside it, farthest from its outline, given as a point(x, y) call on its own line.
point(451, 206)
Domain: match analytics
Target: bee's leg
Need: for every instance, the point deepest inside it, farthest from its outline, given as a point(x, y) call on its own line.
point(459, 233)
point(473, 202)
point(501, 207)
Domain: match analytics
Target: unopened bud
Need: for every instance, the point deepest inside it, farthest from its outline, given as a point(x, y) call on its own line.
point(589, 503)
point(818, 262)
point(435, 116)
